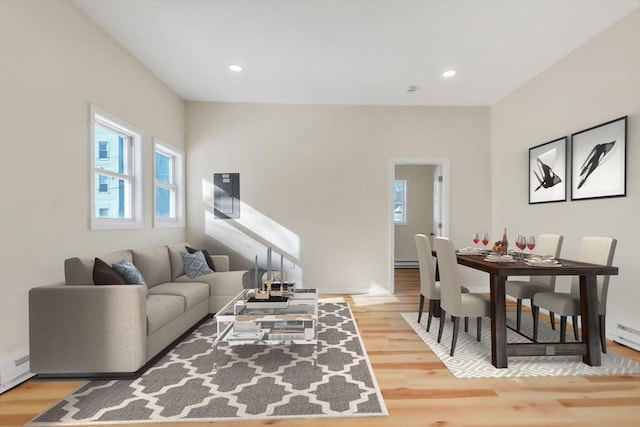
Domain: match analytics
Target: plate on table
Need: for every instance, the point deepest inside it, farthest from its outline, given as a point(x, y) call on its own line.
point(469, 251)
point(543, 262)
point(499, 258)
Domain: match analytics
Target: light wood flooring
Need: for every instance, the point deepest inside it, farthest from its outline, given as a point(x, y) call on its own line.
point(417, 388)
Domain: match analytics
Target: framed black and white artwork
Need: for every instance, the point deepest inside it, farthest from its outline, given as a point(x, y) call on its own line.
point(599, 161)
point(548, 172)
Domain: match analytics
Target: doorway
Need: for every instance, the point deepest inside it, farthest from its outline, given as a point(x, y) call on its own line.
point(427, 207)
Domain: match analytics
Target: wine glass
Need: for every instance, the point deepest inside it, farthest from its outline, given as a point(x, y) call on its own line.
point(531, 243)
point(476, 238)
point(521, 243)
point(485, 239)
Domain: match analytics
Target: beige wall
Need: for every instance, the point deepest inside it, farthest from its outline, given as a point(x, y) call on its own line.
point(316, 182)
point(54, 61)
point(598, 82)
point(419, 209)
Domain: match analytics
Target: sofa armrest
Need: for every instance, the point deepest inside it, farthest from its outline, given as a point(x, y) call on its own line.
point(220, 262)
point(87, 328)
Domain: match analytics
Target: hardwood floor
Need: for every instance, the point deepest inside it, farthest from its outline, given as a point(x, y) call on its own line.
point(417, 388)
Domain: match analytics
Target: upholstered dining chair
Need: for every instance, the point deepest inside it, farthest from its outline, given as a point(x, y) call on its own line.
point(453, 301)
point(594, 250)
point(429, 287)
point(546, 244)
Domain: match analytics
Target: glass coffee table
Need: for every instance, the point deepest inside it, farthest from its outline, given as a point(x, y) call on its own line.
point(242, 321)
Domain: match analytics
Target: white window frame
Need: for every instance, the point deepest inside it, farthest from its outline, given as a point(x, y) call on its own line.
point(176, 185)
point(404, 203)
point(134, 209)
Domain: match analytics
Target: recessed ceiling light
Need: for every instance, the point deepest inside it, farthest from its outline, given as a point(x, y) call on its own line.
point(449, 73)
point(235, 68)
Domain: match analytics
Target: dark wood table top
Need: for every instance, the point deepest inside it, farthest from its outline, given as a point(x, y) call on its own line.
point(519, 268)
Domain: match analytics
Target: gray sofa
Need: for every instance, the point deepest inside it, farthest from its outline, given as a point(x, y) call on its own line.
point(84, 329)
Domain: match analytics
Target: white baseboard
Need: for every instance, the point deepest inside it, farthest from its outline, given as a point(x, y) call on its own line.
point(628, 336)
point(14, 373)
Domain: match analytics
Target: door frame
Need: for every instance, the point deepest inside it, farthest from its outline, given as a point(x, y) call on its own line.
point(444, 201)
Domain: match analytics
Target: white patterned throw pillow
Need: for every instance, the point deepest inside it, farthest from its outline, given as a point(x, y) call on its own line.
point(195, 264)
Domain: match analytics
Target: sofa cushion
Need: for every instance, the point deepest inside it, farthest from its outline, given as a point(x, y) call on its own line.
point(129, 273)
point(195, 264)
point(162, 309)
point(207, 257)
point(154, 264)
point(193, 293)
point(175, 255)
point(103, 274)
point(221, 283)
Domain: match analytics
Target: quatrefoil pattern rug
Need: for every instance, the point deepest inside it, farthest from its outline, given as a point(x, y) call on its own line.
point(331, 379)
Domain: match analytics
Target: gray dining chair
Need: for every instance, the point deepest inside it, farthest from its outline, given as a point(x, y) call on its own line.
point(429, 286)
point(453, 301)
point(546, 244)
point(594, 250)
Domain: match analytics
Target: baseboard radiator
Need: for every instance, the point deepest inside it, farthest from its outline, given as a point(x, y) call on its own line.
point(628, 336)
point(406, 264)
point(14, 373)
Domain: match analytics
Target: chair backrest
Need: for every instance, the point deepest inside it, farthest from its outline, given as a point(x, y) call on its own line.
point(450, 288)
point(596, 250)
point(547, 244)
point(427, 269)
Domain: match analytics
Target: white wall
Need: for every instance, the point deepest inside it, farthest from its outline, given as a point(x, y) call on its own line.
point(419, 209)
point(54, 61)
point(596, 83)
point(316, 182)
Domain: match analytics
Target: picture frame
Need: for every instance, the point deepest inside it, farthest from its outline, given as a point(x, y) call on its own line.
point(548, 172)
point(599, 161)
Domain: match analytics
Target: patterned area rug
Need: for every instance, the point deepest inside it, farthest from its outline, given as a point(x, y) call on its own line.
point(334, 379)
point(472, 359)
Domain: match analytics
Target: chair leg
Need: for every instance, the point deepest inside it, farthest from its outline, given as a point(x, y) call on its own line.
point(603, 338)
point(442, 318)
point(518, 313)
point(552, 320)
point(574, 319)
point(432, 308)
point(466, 324)
point(535, 310)
point(563, 328)
point(479, 328)
point(420, 308)
point(454, 339)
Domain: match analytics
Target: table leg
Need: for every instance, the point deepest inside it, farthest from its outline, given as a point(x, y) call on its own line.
point(589, 317)
point(498, 321)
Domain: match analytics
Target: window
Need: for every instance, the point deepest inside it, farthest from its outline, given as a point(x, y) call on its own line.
point(116, 178)
point(168, 172)
point(103, 150)
point(400, 201)
point(103, 185)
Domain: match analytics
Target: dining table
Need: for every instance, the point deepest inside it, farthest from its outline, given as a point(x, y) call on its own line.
point(501, 350)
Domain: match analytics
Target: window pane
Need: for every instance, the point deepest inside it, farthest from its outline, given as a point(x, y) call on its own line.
point(116, 161)
point(103, 152)
point(114, 200)
point(163, 168)
point(399, 188)
point(163, 202)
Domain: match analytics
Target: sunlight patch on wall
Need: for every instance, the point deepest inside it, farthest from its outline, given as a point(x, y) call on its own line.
point(251, 235)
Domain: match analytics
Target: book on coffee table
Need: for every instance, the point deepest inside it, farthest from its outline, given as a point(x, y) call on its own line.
point(271, 302)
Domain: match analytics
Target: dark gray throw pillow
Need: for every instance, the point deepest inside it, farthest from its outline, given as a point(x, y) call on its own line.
point(103, 274)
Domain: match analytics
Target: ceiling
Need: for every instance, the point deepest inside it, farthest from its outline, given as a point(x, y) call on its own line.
point(351, 52)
